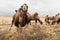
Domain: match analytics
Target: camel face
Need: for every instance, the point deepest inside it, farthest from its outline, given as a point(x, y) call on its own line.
point(24, 7)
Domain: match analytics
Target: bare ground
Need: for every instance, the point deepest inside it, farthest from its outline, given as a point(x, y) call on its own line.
point(32, 32)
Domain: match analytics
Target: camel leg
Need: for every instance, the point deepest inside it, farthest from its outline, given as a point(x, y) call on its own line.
point(58, 21)
point(30, 22)
point(40, 21)
point(20, 28)
point(35, 21)
point(11, 25)
point(19, 34)
point(26, 26)
point(19, 31)
point(53, 22)
point(48, 22)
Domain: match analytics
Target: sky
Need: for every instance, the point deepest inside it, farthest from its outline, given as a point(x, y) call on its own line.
point(43, 7)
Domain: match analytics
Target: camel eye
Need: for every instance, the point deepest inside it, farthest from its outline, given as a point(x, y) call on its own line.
point(21, 6)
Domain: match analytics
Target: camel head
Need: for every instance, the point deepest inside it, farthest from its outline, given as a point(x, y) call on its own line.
point(24, 7)
point(36, 14)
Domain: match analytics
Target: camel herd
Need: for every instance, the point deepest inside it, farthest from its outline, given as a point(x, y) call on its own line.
point(53, 19)
point(22, 17)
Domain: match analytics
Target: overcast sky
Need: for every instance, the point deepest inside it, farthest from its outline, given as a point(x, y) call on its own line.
point(43, 7)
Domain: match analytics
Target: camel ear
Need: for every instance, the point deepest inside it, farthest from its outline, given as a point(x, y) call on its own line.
point(15, 10)
point(21, 7)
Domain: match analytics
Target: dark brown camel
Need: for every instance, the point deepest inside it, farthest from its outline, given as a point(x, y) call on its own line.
point(47, 19)
point(20, 17)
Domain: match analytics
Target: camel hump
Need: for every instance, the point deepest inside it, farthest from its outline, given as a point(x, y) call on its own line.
point(28, 14)
point(15, 10)
point(36, 13)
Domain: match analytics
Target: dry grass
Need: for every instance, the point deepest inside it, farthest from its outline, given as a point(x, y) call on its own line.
point(32, 32)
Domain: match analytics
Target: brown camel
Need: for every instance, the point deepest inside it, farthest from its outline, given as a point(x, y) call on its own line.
point(51, 19)
point(27, 19)
point(22, 17)
point(35, 17)
point(47, 19)
point(56, 19)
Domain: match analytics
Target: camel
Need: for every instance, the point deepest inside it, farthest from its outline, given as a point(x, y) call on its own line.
point(22, 17)
point(47, 19)
point(51, 19)
point(35, 17)
point(28, 18)
point(56, 19)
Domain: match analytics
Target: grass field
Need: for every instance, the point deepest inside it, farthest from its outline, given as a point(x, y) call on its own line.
point(32, 32)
